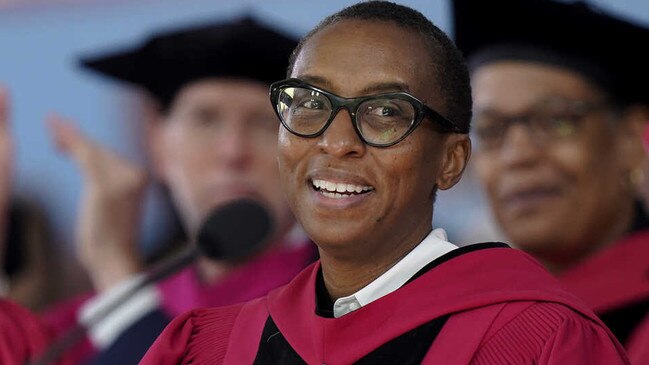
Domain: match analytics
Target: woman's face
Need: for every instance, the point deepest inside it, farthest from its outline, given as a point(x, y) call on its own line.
point(561, 194)
point(386, 194)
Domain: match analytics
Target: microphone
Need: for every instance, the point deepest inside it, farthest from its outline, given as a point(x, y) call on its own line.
point(234, 231)
point(231, 232)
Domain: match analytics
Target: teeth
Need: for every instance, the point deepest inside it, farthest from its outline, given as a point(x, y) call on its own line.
point(339, 190)
point(333, 195)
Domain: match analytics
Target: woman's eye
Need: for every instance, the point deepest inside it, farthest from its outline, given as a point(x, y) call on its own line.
point(311, 104)
point(384, 111)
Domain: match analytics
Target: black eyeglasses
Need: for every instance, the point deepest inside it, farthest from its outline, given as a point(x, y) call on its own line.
point(379, 120)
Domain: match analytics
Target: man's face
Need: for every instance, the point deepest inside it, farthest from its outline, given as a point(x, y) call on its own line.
point(554, 198)
point(396, 184)
point(218, 144)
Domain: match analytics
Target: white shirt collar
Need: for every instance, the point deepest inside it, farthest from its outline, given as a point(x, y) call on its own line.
point(433, 246)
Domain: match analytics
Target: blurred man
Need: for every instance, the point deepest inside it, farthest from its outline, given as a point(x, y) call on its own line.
point(211, 139)
point(560, 101)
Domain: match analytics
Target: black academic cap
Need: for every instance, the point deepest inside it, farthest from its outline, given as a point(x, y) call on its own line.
point(607, 49)
point(242, 48)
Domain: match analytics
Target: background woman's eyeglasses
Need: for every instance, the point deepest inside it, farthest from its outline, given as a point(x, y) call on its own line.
point(379, 120)
point(546, 123)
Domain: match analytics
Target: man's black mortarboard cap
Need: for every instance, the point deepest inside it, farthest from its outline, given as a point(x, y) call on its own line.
point(607, 49)
point(165, 62)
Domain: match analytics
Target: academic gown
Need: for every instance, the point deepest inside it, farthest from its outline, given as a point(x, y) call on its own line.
point(479, 304)
point(614, 283)
point(22, 336)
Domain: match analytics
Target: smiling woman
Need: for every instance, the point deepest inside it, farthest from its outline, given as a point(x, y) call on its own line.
point(536, 175)
point(387, 288)
point(403, 178)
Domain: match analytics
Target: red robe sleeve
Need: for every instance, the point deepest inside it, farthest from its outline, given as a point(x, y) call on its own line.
point(22, 336)
point(201, 334)
point(551, 334)
point(579, 341)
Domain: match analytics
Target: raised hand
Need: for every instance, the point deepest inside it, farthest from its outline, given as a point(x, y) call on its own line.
point(109, 213)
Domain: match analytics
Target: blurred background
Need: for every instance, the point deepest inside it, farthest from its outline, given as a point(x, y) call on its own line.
point(40, 45)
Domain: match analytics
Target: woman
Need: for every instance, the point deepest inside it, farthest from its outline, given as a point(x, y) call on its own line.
point(374, 118)
point(558, 115)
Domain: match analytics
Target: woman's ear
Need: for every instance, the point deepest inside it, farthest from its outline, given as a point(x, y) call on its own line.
point(457, 154)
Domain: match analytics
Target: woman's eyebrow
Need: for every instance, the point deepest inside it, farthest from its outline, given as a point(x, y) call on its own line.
point(381, 87)
point(374, 88)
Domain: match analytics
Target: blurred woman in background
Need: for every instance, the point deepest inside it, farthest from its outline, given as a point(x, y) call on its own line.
point(560, 103)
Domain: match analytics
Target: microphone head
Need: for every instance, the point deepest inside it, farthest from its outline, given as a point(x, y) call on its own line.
point(234, 231)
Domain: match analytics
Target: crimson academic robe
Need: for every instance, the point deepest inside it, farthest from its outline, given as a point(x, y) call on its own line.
point(484, 304)
point(614, 283)
point(22, 336)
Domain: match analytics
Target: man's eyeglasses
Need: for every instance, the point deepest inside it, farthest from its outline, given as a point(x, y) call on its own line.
point(379, 120)
point(546, 123)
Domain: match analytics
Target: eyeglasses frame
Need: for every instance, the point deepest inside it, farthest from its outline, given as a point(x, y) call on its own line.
point(352, 104)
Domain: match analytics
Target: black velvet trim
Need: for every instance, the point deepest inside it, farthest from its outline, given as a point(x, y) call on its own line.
point(455, 253)
point(274, 349)
point(325, 306)
point(408, 348)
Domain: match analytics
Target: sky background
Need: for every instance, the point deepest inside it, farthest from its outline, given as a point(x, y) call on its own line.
point(41, 42)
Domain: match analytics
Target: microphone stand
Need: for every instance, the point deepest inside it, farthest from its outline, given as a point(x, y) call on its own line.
point(75, 334)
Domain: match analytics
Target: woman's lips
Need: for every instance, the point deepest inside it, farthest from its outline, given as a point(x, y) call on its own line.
point(529, 199)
